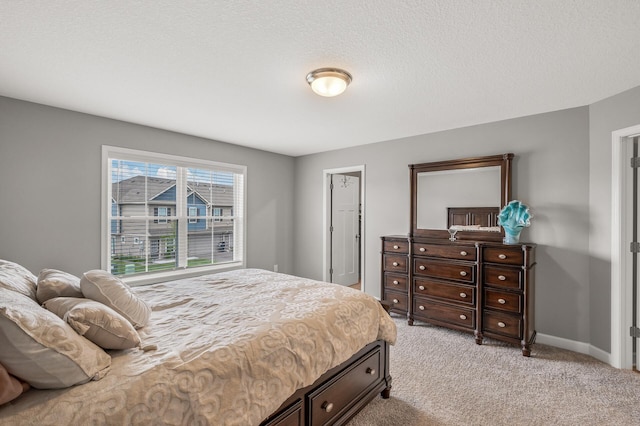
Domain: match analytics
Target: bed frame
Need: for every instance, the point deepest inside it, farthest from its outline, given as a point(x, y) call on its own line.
point(483, 216)
point(339, 393)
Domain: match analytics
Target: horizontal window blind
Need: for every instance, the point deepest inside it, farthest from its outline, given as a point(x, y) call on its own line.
point(167, 213)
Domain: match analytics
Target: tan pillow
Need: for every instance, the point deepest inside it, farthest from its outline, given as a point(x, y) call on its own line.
point(95, 321)
point(103, 287)
point(53, 283)
point(17, 278)
point(10, 387)
point(41, 349)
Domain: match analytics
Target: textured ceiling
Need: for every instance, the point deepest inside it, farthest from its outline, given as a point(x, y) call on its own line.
point(234, 71)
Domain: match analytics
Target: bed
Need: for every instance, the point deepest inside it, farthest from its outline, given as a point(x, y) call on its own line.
point(245, 347)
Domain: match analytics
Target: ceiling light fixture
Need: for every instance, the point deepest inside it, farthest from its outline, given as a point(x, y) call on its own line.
point(328, 81)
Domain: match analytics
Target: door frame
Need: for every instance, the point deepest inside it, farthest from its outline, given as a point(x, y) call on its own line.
point(621, 271)
point(326, 215)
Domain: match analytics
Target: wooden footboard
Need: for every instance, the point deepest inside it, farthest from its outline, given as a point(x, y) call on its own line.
point(340, 392)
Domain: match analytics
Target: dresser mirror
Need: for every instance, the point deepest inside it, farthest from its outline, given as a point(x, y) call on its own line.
point(465, 193)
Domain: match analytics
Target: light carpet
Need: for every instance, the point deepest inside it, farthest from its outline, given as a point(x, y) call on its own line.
point(441, 377)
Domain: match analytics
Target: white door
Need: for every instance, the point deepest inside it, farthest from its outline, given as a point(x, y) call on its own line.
point(345, 229)
point(623, 217)
point(635, 264)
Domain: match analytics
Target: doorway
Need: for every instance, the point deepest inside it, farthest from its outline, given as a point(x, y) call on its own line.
point(344, 226)
point(625, 349)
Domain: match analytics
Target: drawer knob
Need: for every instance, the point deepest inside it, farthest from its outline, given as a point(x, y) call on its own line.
point(327, 406)
point(395, 263)
point(421, 287)
point(463, 317)
point(501, 324)
point(422, 267)
point(502, 256)
point(502, 277)
point(463, 273)
point(422, 249)
point(463, 253)
point(396, 282)
point(371, 371)
point(463, 295)
point(502, 301)
point(421, 307)
point(396, 247)
point(396, 301)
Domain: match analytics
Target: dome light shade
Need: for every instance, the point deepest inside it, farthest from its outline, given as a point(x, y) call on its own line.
point(328, 81)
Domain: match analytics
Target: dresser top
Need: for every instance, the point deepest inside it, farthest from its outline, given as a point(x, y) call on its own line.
point(444, 241)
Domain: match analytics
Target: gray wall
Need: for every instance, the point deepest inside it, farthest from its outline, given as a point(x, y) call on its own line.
point(551, 175)
point(50, 186)
point(614, 113)
point(562, 170)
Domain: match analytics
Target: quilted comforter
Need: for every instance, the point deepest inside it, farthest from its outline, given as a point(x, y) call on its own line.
point(231, 347)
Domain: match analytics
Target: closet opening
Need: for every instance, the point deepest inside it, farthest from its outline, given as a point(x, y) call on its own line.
point(344, 226)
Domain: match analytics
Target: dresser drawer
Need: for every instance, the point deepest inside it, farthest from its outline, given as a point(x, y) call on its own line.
point(503, 300)
point(497, 276)
point(448, 292)
point(445, 270)
point(448, 252)
point(428, 310)
point(395, 282)
point(332, 399)
point(395, 263)
point(400, 300)
point(502, 324)
point(396, 247)
point(504, 254)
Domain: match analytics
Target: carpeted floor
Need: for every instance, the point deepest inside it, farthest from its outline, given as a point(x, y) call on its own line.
point(441, 377)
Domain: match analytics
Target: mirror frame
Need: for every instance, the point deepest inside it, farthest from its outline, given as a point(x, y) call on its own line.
point(502, 160)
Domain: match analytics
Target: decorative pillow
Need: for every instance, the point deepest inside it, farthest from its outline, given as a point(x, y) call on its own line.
point(41, 349)
point(103, 287)
point(53, 283)
point(17, 278)
point(10, 387)
point(95, 321)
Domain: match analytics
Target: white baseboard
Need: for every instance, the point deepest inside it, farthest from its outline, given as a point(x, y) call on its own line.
point(575, 346)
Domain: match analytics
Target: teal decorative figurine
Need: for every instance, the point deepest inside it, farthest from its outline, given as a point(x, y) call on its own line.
point(513, 217)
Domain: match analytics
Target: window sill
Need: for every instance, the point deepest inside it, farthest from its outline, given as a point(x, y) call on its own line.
point(158, 277)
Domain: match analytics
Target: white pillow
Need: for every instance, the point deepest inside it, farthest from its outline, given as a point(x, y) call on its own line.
point(95, 321)
point(41, 349)
point(103, 287)
point(53, 283)
point(17, 278)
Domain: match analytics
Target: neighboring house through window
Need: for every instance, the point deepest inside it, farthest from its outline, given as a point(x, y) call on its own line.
point(155, 209)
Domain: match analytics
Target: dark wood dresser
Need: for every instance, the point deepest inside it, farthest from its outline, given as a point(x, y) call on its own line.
point(482, 287)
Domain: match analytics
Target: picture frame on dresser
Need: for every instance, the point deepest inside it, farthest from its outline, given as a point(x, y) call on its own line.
point(473, 282)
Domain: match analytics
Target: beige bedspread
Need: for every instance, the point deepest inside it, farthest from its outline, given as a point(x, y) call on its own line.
point(231, 348)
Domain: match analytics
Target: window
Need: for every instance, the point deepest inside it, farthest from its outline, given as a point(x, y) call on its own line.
point(155, 214)
point(217, 214)
point(193, 212)
point(161, 213)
